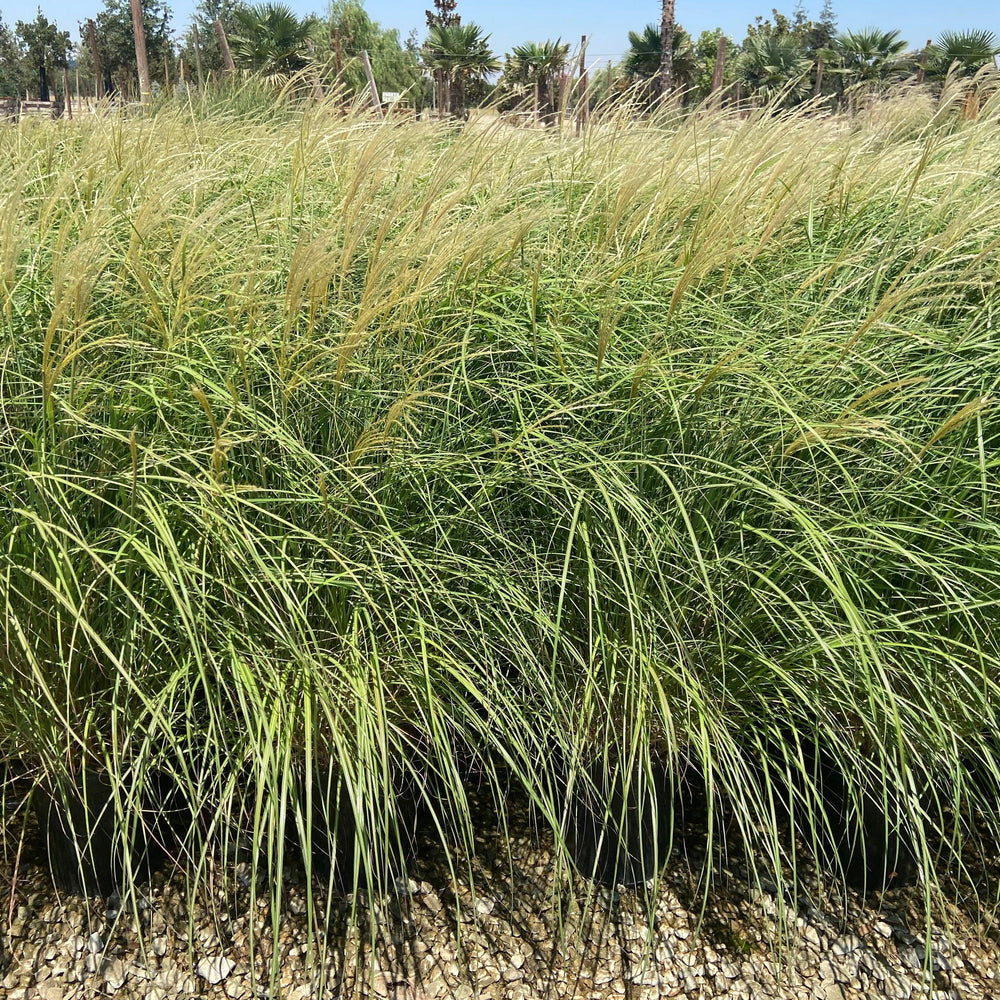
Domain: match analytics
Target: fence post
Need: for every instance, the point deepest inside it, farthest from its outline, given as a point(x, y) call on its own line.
point(227, 56)
point(68, 95)
point(371, 84)
point(583, 90)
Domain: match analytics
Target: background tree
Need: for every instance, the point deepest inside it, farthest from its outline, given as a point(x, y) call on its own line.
point(971, 50)
point(459, 53)
point(773, 67)
point(868, 59)
point(643, 61)
point(869, 55)
point(270, 38)
point(443, 15)
point(814, 39)
point(205, 15)
point(11, 82)
point(116, 43)
point(817, 36)
point(705, 49)
point(395, 64)
point(515, 85)
point(541, 63)
point(46, 49)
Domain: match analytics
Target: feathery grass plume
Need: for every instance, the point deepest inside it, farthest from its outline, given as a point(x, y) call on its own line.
point(338, 454)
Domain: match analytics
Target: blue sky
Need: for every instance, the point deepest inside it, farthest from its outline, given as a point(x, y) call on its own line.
point(605, 22)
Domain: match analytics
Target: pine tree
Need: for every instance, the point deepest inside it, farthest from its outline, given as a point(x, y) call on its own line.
point(445, 16)
point(827, 18)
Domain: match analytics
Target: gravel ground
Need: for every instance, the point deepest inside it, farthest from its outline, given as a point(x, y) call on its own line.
point(527, 929)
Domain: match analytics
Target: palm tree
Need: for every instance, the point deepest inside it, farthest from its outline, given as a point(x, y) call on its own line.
point(869, 56)
point(642, 61)
point(269, 38)
point(970, 49)
point(775, 66)
point(541, 63)
point(461, 53)
point(667, 48)
point(962, 53)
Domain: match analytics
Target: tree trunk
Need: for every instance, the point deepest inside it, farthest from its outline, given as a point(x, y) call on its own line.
point(667, 48)
point(197, 55)
point(339, 62)
point(923, 62)
point(98, 76)
point(718, 72)
point(43, 83)
point(139, 30)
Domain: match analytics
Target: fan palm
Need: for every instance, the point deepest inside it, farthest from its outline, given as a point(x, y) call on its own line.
point(970, 49)
point(541, 63)
point(269, 38)
point(870, 55)
point(775, 65)
point(461, 53)
point(642, 61)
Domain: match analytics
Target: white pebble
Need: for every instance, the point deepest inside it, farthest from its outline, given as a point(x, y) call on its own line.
point(215, 969)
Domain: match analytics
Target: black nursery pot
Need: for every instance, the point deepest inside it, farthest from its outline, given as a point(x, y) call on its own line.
point(83, 842)
point(982, 773)
point(621, 822)
point(860, 836)
point(334, 839)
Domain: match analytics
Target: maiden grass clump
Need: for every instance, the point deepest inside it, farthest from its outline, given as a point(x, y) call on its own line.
point(332, 448)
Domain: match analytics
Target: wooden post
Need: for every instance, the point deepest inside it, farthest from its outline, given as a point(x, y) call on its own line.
point(227, 56)
point(139, 30)
point(923, 62)
point(197, 55)
point(166, 73)
point(99, 76)
point(377, 104)
point(582, 90)
point(718, 72)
